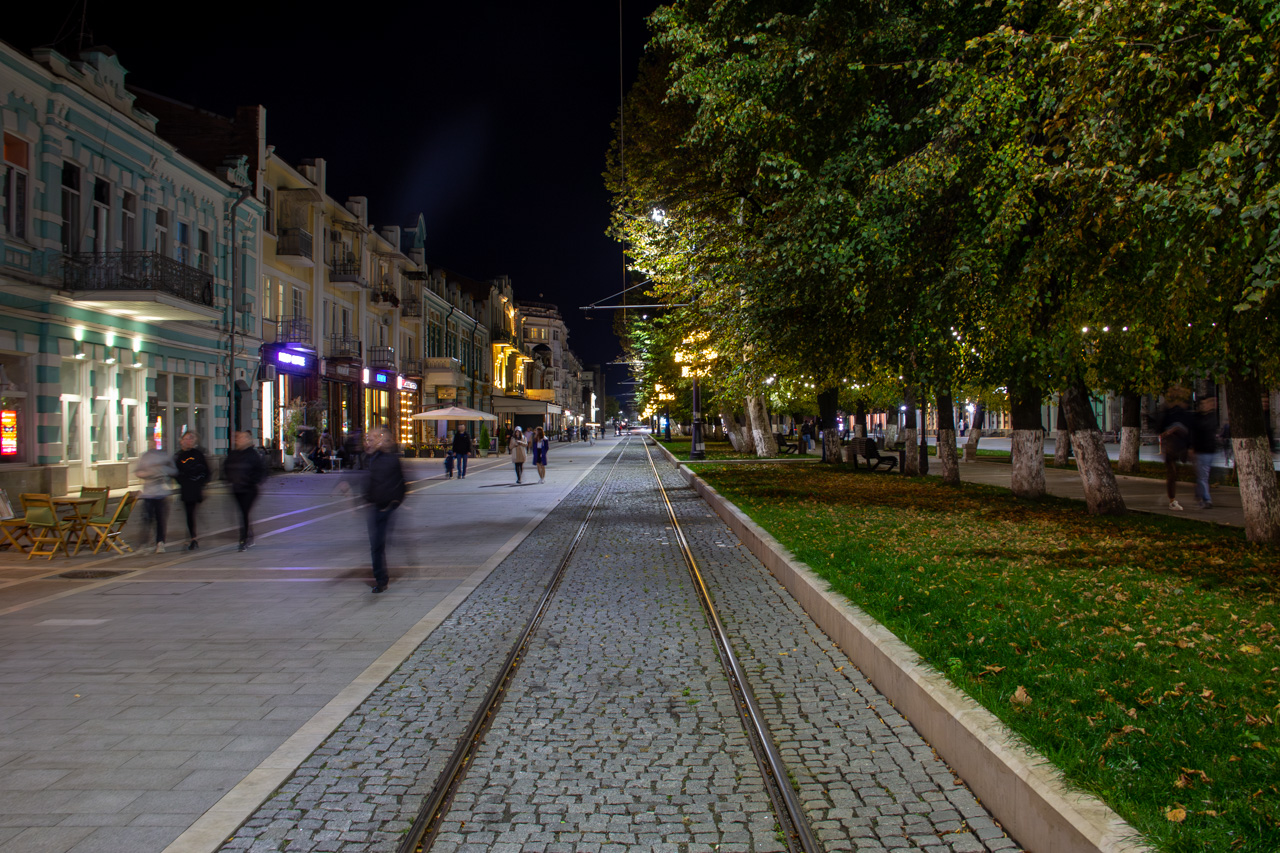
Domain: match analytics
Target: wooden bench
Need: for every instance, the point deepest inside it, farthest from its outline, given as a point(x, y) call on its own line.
point(785, 446)
point(866, 448)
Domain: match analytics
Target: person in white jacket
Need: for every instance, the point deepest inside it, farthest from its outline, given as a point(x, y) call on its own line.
point(155, 469)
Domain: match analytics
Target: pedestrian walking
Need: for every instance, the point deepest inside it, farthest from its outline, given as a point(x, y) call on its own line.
point(1204, 443)
point(1175, 428)
point(518, 447)
point(461, 450)
point(448, 465)
point(384, 489)
point(244, 470)
point(540, 447)
point(193, 474)
point(155, 468)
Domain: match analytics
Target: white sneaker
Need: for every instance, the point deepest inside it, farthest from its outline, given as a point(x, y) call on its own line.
point(1175, 505)
point(159, 547)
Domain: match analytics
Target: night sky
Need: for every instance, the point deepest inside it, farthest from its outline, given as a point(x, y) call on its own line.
point(491, 119)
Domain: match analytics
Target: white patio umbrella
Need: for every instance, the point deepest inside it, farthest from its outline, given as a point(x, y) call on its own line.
point(455, 413)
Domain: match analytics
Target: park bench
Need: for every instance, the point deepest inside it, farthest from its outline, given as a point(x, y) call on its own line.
point(866, 448)
point(784, 446)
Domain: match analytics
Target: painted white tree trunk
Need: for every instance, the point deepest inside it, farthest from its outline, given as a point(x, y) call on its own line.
point(948, 457)
point(1130, 438)
point(1062, 448)
point(1259, 494)
point(1027, 479)
point(1101, 493)
point(971, 444)
point(911, 459)
point(761, 432)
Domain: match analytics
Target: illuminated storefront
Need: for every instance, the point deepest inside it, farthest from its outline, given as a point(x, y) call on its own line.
point(380, 388)
point(289, 380)
point(409, 404)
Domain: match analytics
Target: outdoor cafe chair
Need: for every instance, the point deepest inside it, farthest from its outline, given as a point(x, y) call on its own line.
point(108, 526)
point(14, 527)
point(46, 528)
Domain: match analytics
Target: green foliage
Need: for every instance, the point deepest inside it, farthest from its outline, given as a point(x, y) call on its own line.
point(484, 436)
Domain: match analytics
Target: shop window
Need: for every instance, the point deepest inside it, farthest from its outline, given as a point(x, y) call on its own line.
point(15, 424)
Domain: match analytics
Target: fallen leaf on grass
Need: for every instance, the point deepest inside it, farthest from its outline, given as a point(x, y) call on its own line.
point(1176, 815)
point(1248, 649)
point(1020, 696)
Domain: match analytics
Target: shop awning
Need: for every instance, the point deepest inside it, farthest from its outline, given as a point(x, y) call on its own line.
point(524, 406)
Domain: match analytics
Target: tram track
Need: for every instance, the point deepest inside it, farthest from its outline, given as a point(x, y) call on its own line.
point(794, 828)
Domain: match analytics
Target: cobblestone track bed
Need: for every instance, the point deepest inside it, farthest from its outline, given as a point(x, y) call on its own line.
point(867, 779)
point(620, 731)
point(361, 790)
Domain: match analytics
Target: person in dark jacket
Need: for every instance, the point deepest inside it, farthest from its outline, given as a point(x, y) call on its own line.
point(461, 450)
point(1176, 426)
point(193, 473)
point(1204, 444)
point(384, 489)
point(244, 470)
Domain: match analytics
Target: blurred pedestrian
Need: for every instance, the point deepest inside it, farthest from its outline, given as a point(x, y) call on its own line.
point(1204, 444)
point(461, 450)
point(518, 447)
point(384, 489)
point(1176, 426)
point(155, 468)
point(193, 474)
point(244, 469)
point(540, 448)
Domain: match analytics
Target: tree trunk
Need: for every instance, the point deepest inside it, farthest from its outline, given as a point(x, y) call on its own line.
point(1027, 480)
point(860, 418)
point(828, 407)
point(1062, 438)
point(975, 432)
point(1130, 431)
point(910, 458)
point(1101, 494)
point(1259, 494)
point(761, 432)
point(924, 434)
point(947, 440)
point(741, 439)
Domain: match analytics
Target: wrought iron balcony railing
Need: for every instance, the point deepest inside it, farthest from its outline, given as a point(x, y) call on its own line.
point(295, 242)
point(380, 356)
point(338, 347)
point(137, 271)
point(411, 367)
point(293, 330)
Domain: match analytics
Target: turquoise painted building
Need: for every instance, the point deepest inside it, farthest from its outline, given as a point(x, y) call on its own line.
point(126, 279)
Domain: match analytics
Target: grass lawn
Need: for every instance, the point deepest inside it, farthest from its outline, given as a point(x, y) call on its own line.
point(718, 450)
point(1140, 655)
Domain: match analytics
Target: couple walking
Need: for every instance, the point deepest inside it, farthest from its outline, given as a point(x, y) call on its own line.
point(519, 446)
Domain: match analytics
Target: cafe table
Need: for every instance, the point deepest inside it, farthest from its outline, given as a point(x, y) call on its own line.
point(78, 514)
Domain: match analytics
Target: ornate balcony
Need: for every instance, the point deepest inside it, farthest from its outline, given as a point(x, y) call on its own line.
point(410, 301)
point(442, 370)
point(297, 246)
point(381, 357)
point(347, 274)
point(337, 347)
point(293, 330)
point(411, 366)
point(143, 285)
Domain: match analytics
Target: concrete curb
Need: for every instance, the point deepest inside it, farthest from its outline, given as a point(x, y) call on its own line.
point(1020, 788)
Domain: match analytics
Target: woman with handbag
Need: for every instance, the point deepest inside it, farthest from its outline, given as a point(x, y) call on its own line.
point(519, 448)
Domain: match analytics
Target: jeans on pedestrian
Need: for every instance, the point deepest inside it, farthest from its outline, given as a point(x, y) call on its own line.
point(462, 464)
point(379, 527)
point(244, 500)
point(158, 514)
point(1204, 462)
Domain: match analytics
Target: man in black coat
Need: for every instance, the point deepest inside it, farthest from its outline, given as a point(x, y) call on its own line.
point(461, 450)
point(384, 489)
point(244, 469)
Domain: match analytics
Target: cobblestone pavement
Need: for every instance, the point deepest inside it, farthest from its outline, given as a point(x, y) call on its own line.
point(619, 732)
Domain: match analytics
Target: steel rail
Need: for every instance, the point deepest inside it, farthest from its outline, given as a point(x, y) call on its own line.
point(423, 830)
point(798, 834)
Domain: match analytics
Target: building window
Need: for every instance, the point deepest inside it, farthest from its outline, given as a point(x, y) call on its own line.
point(101, 215)
point(299, 303)
point(70, 208)
point(15, 424)
point(269, 210)
point(162, 232)
point(129, 223)
point(17, 156)
point(184, 243)
point(203, 261)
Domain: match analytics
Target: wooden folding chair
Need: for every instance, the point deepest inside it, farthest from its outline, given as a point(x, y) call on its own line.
point(46, 528)
point(99, 492)
point(12, 525)
point(108, 526)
